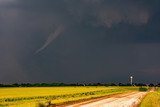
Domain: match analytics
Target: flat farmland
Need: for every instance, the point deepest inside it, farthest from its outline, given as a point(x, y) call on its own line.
point(152, 99)
point(32, 96)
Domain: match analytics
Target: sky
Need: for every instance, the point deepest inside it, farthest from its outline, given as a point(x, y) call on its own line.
point(79, 41)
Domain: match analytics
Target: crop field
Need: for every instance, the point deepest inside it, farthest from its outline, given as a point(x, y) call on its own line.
point(30, 97)
point(152, 99)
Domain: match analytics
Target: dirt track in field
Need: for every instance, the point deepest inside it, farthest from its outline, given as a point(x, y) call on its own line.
point(121, 100)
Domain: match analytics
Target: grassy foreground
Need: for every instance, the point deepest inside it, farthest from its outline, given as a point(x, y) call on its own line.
point(151, 100)
point(30, 97)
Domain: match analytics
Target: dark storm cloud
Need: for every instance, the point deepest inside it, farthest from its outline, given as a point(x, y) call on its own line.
point(107, 13)
point(79, 40)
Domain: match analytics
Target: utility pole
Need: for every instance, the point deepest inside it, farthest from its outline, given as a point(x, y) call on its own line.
point(131, 79)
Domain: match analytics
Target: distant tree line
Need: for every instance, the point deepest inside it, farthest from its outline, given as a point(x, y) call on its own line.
point(74, 84)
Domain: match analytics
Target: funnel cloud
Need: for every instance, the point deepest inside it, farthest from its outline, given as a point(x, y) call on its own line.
point(51, 38)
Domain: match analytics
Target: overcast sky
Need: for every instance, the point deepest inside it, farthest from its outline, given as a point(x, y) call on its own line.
point(74, 41)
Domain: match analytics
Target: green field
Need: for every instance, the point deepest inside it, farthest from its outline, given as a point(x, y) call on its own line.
point(152, 99)
point(30, 97)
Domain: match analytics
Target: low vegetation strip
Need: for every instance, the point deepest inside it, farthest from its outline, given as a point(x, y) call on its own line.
point(56, 95)
point(152, 99)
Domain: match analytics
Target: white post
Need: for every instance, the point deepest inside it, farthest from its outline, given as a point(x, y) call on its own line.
point(131, 79)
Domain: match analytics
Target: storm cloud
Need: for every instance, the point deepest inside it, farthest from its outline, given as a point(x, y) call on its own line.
point(79, 40)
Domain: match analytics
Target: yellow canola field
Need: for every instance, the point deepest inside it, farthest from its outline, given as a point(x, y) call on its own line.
point(29, 97)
